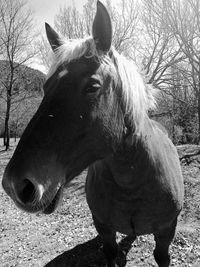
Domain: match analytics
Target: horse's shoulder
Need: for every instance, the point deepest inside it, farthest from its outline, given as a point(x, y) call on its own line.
point(162, 145)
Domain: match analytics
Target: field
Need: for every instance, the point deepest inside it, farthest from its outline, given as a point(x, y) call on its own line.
point(67, 237)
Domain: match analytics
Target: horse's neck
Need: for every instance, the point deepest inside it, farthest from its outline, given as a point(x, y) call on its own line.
point(136, 158)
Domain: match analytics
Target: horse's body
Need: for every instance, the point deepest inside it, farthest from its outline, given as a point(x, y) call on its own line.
point(95, 113)
point(138, 190)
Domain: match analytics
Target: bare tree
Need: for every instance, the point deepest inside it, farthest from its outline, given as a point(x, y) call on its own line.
point(125, 20)
point(73, 24)
point(70, 23)
point(16, 39)
point(183, 19)
point(165, 61)
point(44, 52)
point(159, 50)
point(88, 13)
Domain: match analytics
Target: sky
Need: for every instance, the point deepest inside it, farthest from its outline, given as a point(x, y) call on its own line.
point(45, 11)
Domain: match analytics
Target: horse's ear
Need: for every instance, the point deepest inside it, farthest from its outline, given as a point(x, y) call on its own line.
point(52, 36)
point(102, 28)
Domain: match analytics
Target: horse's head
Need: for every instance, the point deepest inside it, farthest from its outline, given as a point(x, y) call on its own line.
point(81, 118)
point(73, 126)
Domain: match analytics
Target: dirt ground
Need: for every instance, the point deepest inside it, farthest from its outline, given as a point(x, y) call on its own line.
point(67, 237)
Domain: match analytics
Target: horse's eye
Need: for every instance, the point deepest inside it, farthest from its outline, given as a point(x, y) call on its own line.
point(92, 88)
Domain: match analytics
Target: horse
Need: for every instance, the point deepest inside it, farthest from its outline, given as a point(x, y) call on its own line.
point(94, 114)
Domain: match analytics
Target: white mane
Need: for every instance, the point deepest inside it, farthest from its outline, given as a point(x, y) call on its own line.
point(137, 96)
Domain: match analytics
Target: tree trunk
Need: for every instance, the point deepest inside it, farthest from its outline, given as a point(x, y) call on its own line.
point(6, 124)
point(198, 117)
point(16, 127)
point(15, 137)
point(198, 91)
point(8, 107)
point(172, 120)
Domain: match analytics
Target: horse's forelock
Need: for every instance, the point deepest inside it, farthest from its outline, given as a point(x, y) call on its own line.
point(70, 50)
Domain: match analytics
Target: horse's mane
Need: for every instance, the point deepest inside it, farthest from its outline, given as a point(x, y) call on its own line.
point(138, 97)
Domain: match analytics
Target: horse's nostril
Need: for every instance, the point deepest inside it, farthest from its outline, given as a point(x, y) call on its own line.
point(27, 192)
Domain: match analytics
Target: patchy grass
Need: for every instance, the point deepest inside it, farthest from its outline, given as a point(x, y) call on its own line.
point(67, 237)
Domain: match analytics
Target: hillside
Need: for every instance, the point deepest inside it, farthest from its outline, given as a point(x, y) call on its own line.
point(26, 96)
point(26, 77)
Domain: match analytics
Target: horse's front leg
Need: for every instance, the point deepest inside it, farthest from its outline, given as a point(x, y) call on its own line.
point(163, 240)
point(110, 247)
point(125, 244)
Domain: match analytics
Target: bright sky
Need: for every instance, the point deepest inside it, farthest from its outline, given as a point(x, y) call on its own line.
point(45, 10)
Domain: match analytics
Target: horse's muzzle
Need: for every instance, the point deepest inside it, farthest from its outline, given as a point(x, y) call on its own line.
point(26, 193)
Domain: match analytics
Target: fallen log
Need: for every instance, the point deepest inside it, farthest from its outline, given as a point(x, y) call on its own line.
point(189, 154)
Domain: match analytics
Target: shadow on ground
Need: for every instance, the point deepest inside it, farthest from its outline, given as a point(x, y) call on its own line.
point(88, 254)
